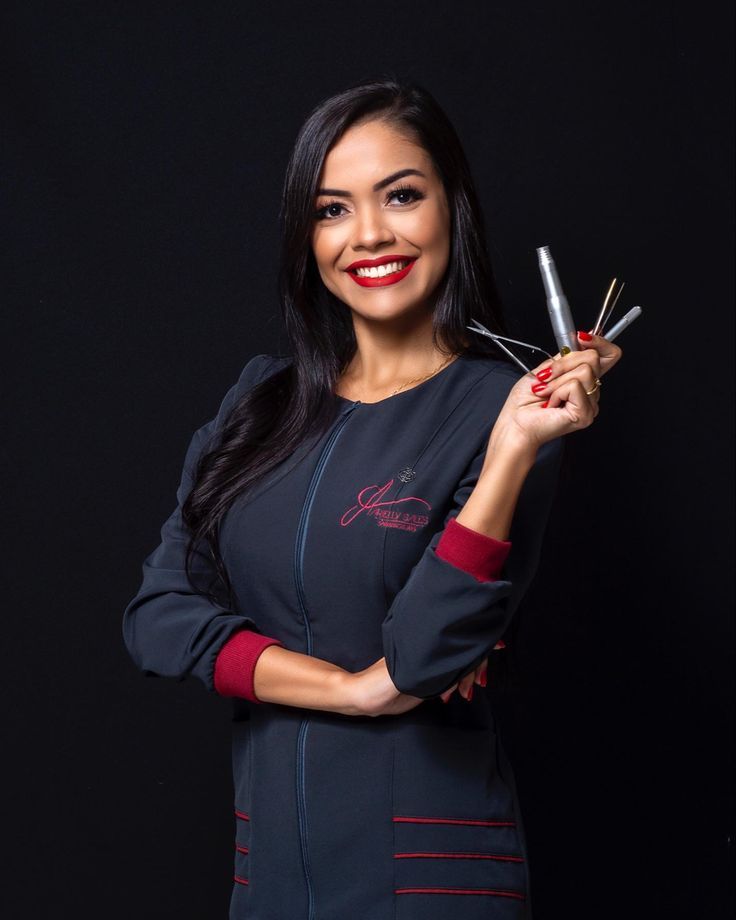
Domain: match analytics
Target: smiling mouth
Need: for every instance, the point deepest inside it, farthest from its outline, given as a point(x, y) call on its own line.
point(380, 271)
point(381, 276)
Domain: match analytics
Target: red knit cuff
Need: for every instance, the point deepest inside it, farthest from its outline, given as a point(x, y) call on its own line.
point(236, 662)
point(475, 552)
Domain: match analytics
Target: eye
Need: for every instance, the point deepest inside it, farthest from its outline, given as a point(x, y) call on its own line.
point(413, 193)
point(326, 212)
point(321, 213)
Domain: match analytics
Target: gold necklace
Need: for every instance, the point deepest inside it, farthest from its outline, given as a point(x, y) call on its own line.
point(427, 376)
point(420, 379)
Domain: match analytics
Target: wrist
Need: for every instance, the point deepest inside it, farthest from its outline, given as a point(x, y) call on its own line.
point(511, 446)
point(491, 505)
point(345, 693)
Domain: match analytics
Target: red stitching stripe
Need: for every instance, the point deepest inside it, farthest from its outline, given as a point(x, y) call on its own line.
point(517, 859)
point(417, 820)
point(243, 817)
point(491, 891)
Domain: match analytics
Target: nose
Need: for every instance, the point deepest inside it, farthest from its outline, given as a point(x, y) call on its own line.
point(370, 229)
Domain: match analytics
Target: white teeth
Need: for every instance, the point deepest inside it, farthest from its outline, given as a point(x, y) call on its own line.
point(378, 271)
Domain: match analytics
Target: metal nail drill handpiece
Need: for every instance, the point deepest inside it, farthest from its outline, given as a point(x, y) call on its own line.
point(559, 310)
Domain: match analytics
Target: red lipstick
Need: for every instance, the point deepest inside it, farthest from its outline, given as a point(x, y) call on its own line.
point(382, 260)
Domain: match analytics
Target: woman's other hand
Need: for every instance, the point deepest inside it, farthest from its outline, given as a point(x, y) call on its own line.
point(558, 396)
point(371, 692)
point(479, 676)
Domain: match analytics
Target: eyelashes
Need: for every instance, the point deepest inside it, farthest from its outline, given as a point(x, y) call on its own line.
point(410, 190)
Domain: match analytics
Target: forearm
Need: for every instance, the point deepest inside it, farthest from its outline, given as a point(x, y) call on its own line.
point(445, 618)
point(293, 679)
point(491, 505)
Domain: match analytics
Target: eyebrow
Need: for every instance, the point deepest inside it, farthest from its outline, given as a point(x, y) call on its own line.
point(377, 187)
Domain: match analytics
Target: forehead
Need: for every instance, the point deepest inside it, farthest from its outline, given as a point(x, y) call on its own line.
point(368, 152)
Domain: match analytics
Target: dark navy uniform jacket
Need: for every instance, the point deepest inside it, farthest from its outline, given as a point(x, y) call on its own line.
point(334, 554)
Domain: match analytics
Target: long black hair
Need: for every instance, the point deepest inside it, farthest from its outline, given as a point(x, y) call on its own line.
point(267, 423)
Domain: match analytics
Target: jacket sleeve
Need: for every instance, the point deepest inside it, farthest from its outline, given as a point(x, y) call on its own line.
point(448, 616)
point(168, 628)
point(482, 556)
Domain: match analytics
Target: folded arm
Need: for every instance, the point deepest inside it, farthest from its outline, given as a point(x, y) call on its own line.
point(170, 629)
point(445, 621)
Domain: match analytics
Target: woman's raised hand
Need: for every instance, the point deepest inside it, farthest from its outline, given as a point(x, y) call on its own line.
point(558, 396)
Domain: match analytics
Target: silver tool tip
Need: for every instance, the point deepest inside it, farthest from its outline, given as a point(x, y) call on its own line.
point(544, 255)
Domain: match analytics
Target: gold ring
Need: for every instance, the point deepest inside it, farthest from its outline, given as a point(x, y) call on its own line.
point(597, 385)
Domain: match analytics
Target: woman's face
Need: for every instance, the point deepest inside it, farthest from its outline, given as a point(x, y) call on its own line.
point(366, 211)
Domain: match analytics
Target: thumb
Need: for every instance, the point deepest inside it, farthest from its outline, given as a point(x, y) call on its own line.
point(608, 352)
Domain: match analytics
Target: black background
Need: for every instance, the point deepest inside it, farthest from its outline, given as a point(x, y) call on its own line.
point(143, 154)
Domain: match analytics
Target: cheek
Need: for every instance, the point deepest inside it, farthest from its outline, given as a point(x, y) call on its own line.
point(430, 232)
point(326, 250)
point(318, 249)
point(325, 255)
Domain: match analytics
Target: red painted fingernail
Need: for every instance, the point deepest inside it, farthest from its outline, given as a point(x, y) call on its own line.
point(585, 336)
point(545, 404)
point(543, 375)
point(538, 387)
point(483, 678)
point(470, 693)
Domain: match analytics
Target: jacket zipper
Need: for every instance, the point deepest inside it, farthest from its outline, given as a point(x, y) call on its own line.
point(298, 579)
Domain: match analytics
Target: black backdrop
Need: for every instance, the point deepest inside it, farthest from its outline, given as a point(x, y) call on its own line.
point(142, 163)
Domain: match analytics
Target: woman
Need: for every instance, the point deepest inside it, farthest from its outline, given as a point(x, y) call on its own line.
point(355, 529)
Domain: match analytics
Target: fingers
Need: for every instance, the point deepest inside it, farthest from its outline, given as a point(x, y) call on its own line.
point(608, 353)
point(477, 676)
point(553, 367)
point(583, 366)
point(465, 686)
point(571, 397)
point(448, 693)
point(596, 351)
point(584, 372)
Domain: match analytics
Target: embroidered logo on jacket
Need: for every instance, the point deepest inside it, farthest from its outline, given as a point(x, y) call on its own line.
point(409, 516)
